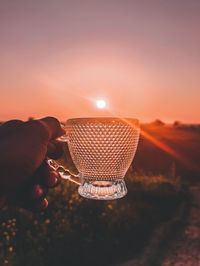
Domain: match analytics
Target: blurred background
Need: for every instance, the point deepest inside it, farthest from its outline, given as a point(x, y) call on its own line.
point(142, 57)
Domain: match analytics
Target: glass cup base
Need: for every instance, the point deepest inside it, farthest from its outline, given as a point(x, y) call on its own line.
point(103, 190)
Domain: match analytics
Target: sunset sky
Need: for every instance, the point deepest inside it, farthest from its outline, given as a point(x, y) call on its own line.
point(59, 57)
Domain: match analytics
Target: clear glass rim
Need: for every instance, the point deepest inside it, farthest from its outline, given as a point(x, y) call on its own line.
point(103, 120)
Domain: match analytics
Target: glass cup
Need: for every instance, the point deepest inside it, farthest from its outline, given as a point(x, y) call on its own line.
point(102, 150)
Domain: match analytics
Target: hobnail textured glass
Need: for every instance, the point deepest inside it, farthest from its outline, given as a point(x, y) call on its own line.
point(102, 150)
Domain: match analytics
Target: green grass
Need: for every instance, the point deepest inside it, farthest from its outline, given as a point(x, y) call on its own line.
point(77, 231)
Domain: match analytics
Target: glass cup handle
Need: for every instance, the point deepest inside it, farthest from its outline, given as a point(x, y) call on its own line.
point(64, 173)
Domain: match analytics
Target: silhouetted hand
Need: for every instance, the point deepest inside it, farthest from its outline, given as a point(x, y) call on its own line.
point(25, 175)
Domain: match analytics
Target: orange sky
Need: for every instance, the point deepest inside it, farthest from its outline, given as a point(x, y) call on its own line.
point(142, 57)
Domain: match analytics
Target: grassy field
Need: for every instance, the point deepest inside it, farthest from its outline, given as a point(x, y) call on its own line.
point(77, 231)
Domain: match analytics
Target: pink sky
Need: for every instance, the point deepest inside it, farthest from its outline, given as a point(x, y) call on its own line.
point(142, 57)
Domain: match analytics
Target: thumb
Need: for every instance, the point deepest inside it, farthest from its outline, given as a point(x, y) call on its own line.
point(53, 127)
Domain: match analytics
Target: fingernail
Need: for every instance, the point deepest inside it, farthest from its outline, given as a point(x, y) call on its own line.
point(52, 181)
point(43, 205)
point(37, 192)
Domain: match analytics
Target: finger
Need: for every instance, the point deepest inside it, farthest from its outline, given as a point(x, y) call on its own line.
point(52, 180)
point(30, 192)
point(34, 200)
point(53, 126)
point(55, 149)
point(9, 127)
point(48, 177)
point(37, 192)
point(37, 205)
point(42, 205)
point(43, 129)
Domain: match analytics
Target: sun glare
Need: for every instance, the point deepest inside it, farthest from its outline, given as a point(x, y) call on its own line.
point(101, 104)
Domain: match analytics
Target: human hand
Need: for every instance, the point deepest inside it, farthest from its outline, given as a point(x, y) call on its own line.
point(25, 175)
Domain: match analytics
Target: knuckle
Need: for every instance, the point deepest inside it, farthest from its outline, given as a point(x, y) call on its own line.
point(53, 125)
point(52, 119)
point(11, 123)
point(39, 128)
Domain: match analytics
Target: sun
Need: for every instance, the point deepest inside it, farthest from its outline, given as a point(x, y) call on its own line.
point(101, 104)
